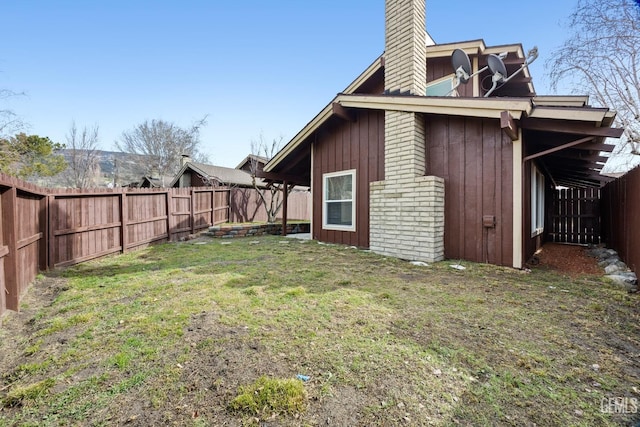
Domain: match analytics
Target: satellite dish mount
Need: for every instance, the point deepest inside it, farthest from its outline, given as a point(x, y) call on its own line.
point(499, 71)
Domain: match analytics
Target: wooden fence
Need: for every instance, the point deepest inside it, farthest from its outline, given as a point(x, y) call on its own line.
point(575, 216)
point(620, 207)
point(46, 228)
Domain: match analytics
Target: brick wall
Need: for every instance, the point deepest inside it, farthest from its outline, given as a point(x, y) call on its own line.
point(407, 218)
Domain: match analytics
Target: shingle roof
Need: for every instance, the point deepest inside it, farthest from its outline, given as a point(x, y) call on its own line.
point(224, 175)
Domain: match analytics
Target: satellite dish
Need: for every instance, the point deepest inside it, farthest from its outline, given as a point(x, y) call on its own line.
point(499, 71)
point(461, 65)
point(497, 68)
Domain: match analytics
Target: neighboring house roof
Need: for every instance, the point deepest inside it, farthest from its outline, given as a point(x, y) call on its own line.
point(224, 176)
point(155, 182)
point(252, 157)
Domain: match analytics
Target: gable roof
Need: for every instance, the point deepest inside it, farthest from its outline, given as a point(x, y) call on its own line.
point(471, 47)
point(249, 158)
point(561, 126)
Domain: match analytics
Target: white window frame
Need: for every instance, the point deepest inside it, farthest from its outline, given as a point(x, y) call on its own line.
point(442, 80)
point(537, 201)
point(325, 177)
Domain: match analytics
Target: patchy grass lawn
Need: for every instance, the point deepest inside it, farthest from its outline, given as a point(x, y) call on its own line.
point(173, 334)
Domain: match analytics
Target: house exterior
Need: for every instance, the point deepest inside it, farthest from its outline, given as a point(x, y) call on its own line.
point(398, 165)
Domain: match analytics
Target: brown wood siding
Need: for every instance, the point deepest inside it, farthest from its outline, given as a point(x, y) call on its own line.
point(342, 145)
point(475, 160)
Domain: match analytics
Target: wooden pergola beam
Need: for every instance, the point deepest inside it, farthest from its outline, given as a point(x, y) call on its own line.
point(559, 148)
point(580, 156)
point(279, 177)
point(562, 126)
point(597, 147)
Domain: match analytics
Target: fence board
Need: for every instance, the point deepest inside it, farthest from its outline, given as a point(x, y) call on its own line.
point(620, 213)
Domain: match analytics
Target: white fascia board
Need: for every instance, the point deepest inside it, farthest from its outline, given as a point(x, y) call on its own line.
point(570, 113)
point(472, 107)
point(561, 101)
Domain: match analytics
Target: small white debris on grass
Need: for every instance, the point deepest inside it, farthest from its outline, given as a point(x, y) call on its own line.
point(458, 266)
point(420, 263)
point(552, 287)
point(225, 243)
point(437, 372)
point(595, 367)
point(200, 243)
point(254, 242)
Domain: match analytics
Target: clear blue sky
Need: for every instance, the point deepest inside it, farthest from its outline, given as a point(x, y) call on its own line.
point(253, 66)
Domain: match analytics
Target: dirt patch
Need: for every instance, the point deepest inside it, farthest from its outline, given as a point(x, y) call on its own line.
point(569, 259)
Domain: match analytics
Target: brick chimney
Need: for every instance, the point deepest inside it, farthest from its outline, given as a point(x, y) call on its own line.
point(406, 215)
point(405, 73)
point(405, 47)
point(185, 158)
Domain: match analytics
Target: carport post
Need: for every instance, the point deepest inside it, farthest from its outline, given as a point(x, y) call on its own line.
point(284, 207)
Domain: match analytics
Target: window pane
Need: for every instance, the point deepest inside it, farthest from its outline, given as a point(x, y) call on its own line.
point(439, 89)
point(339, 187)
point(339, 213)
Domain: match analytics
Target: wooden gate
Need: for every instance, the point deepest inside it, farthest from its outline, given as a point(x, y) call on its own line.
point(575, 216)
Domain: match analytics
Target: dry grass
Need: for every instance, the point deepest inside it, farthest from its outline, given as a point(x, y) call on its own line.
point(168, 335)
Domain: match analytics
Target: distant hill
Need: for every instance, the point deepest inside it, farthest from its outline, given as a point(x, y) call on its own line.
point(114, 169)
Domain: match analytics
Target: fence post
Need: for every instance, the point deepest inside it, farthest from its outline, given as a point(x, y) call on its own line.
point(193, 211)
point(169, 204)
point(10, 236)
point(213, 206)
point(43, 245)
point(52, 222)
point(123, 220)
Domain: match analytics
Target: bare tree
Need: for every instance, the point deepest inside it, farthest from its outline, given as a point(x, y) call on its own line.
point(10, 123)
point(82, 149)
point(601, 59)
point(271, 195)
point(163, 143)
